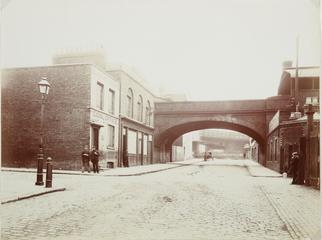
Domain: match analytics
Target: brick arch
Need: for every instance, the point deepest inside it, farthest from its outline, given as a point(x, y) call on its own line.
point(165, 139)
point(250, 117)
point(168, 136)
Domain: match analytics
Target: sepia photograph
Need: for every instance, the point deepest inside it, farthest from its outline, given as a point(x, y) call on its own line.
point(160, 119)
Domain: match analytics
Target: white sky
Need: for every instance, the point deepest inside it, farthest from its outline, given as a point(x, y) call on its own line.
point(209, 49)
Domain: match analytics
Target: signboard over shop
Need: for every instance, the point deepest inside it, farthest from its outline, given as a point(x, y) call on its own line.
point(101, 118)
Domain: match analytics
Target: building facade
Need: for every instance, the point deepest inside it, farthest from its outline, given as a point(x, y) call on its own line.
point(136, 118)
point(82, 108)
point(299, 131)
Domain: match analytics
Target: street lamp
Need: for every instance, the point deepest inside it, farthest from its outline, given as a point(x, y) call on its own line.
point(44, 90)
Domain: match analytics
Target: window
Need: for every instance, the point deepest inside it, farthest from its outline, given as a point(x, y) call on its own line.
point(140, 108)
point(145, 144)
point(140, 142)
point(100, 96)
point(276, 148)
point(130, 103)
point(111, 101)
point(131, 141)
point(148, 113)
point(111, 135)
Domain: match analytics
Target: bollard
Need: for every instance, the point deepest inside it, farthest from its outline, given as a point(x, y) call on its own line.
point(49, 172)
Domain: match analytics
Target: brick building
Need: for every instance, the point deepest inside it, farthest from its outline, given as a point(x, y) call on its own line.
point(90, 103)
point(81, 109)
point(299, 130)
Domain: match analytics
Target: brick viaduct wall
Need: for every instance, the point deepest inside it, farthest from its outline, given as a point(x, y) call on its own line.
point(250, 117)
point(66, 117)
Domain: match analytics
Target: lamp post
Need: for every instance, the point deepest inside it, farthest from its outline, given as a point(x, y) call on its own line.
point(44, 90)
point(311, 106)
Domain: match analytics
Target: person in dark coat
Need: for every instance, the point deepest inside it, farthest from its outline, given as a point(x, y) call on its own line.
point(125, 159)
point(295, 167)
point(85, 159)
point(94, 159)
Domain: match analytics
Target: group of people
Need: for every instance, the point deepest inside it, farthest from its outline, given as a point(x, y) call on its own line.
point(88, 156)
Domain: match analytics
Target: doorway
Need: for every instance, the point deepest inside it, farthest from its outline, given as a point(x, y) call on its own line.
point(95, 137)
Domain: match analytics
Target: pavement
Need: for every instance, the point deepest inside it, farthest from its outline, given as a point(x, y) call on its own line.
point(216, 199)
point(15, 188)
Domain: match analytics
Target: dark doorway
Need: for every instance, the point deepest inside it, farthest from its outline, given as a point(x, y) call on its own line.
point(150, 152)
point(282, 160)
point(125, 155)
point(96, 137)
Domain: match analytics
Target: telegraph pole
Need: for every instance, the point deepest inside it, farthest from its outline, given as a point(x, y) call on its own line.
point(296, 90)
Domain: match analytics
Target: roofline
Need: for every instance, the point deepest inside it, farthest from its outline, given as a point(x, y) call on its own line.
point(211, 101)
point(47, 66)
point(129, 75)
point(307, 67)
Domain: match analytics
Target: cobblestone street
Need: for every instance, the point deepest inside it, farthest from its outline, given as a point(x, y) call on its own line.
point(198, 201)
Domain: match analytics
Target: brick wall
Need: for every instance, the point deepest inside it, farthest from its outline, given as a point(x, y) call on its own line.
point(66, 116)
point(273, 151)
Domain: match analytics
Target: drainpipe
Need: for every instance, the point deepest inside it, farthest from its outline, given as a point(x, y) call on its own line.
point(119, 160)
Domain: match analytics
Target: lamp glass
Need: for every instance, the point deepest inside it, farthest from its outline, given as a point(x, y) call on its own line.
point(44, 86)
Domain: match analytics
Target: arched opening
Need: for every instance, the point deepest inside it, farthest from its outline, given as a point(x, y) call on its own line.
point(148, 113)
point(140, 109)
point(214, 144)
point(166, 138)
point(129, 96)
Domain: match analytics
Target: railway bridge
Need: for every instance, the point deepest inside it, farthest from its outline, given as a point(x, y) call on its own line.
point(250, 117)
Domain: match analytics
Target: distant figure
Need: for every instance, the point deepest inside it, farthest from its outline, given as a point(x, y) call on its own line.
point(85, 159)
point(295, 167)
point(94, 159)
point(244, 155)
point(210, 155)
point(205, 156)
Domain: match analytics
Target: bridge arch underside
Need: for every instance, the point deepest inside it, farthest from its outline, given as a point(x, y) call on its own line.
point(165, 139)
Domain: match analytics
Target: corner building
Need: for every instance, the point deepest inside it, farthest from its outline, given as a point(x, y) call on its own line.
point(82, 108)
point(299, 130)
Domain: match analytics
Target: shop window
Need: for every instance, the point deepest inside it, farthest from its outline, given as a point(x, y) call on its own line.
point(131, 141)
point(140, 142)
point(145, 144)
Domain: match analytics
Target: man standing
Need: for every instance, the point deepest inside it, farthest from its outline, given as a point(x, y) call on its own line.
point(295, 164)
point(85, 159)
point(94, 159)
